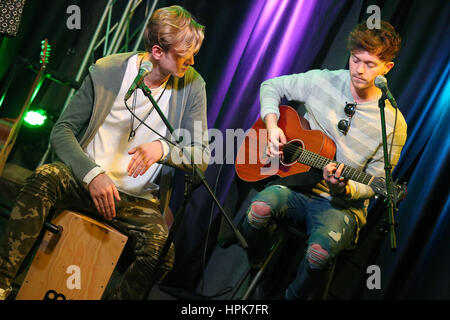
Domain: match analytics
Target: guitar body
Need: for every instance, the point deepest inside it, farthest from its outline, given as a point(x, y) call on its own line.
point(304, 149)
point(252, 164)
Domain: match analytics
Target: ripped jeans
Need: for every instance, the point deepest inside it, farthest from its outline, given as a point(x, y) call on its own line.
point(329, 230)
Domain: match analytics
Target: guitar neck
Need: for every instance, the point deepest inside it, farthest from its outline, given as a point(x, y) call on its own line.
point(32, 93)
point(319, 162)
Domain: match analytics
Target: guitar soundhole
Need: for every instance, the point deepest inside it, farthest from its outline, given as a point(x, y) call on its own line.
point(291, 152)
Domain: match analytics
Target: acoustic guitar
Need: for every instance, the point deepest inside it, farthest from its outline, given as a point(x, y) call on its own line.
point(304, 150)
point(9, 128)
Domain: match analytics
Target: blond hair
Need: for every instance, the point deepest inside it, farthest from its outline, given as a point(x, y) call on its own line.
point(173, 27)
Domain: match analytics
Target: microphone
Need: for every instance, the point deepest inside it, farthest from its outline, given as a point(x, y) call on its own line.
point(381, 83)
point(145, 68)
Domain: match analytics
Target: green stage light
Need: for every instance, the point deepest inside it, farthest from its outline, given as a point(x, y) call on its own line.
point(35, 118)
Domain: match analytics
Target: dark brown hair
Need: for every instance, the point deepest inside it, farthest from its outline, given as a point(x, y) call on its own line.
point(385, 42)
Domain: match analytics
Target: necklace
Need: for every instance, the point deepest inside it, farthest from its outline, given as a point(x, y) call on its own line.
point(133, 108)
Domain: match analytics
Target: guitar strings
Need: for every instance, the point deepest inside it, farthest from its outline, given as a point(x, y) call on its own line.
point(292, 150)
point(347, 171)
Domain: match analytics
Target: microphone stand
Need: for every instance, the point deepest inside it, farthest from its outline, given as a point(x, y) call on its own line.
point(388, 173)
point(189, 187)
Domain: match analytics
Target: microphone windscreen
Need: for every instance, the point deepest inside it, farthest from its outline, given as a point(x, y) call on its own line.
point(147, 66)
point(380, 82)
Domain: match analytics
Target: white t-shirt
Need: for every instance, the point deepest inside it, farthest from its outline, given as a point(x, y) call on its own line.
point(109, 147)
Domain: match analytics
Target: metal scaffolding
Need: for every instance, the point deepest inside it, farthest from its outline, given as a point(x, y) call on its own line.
point(113, 40)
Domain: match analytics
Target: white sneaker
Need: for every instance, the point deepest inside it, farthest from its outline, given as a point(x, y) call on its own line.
point(4, 293)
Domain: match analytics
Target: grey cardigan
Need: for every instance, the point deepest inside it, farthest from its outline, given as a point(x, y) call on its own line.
point(88, 108)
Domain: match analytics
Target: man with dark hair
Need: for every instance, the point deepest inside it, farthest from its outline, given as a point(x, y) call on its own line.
point(111, 166)
point(343, 104)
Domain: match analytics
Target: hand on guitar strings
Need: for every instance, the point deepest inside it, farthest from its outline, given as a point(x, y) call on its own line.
point(276, 141)
point(332, 176)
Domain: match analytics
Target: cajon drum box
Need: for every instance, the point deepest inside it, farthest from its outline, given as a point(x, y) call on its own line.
point(75, 264)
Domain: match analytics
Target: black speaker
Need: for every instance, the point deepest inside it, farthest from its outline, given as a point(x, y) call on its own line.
point(10, 15)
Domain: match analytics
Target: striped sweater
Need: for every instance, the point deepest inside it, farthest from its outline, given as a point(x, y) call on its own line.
point(324, 94)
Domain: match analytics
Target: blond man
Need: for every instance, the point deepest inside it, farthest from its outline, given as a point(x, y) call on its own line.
point(111, 166)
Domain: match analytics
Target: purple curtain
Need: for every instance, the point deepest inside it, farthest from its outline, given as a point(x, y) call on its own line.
point(284, 37)
point(276, 38)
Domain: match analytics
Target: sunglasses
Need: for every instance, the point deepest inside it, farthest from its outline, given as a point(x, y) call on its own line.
point(344, 124)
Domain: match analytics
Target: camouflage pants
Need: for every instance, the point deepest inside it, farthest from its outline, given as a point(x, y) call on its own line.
point(54, 186)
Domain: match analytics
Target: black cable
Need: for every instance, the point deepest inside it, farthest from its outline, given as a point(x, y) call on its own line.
point(146, 125)
point(209, 229)
point(227, 289)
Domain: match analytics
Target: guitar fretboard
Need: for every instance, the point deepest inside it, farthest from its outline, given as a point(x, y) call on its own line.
point(319, 162)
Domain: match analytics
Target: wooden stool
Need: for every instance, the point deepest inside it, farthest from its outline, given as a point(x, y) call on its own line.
point(75, 263)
